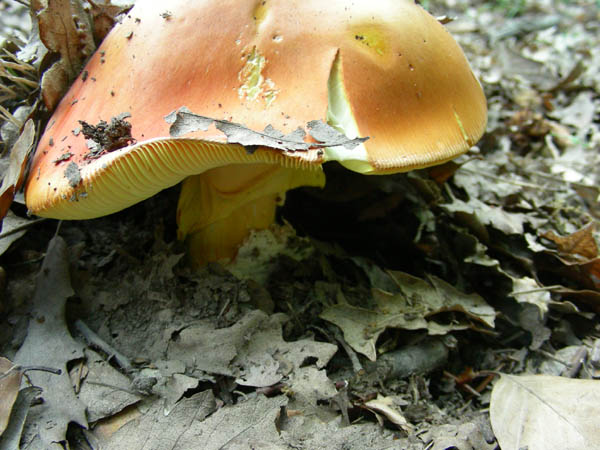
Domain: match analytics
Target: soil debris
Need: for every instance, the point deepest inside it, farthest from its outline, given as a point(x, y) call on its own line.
point(107, 137)
point(64, 157)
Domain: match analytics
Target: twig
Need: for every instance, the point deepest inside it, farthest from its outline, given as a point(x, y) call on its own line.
point(576, 363)
point(540, 289)
point(559, 180)
point(110, 386)
point(337, 335)
point(21, 227)
point(515, 182)
point(96, 341)
point(9, 117)
point(551, 357)
point(25, 369)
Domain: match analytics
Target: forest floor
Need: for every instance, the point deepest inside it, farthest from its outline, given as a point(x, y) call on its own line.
point(379, 313)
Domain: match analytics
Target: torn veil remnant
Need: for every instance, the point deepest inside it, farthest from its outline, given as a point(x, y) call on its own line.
point(382, 69)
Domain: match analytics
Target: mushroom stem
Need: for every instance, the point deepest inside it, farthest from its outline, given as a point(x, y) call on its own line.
point(218, 208)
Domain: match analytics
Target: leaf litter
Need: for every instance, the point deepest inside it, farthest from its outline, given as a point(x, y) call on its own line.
point(512, 224)
point(413, 308)
point(50, 344)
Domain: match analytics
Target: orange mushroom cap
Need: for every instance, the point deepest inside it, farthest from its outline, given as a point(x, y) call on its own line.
point(394, 73)
point(382, 69)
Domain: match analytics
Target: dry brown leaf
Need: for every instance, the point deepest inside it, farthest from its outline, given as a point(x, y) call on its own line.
point(104, 15)
point(545, 412)
point(13, 228)
point(388, 407)
point(11, 437)
point(443, 172)
point(10, 382)
point(13, 178)
point(252, 350)
point(105, 428)
point(64, 28)
point(50, 344)
point(579, 253)
point(414, 308)
point(586, 297)
point(102, 389)
point(578, 246)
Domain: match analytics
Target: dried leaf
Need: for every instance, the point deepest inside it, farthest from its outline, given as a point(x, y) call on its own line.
point(586, 297)
point(11, 437)
point(64, 28)
point(54, 84)
point(104, 390)
point(477, 213)
point(527, 290)
point(469, 435)
point(312, 432)
point(14, 176)
point(545, 412)
point(516, 64)
point(579, 253)
point(530, 319)
point(387, 407)
point(13, 228)
point(183, 121)
point(10, 382)
point(310, 386)
point(104, 429)
point(576, 247)
point(176, 386)
point(257, 256)
point(413, 308)
point(253, 349)
point(104, 15)
point(195, 422)
point(49, 343)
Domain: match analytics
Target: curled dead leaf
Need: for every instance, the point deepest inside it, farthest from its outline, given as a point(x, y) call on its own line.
point(10, 381)
point(578, 252)
point(104, 16)
point(577, 246)
point(64, 28)
point(14, 176)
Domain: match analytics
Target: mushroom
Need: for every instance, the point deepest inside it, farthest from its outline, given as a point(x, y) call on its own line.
point(382, 69)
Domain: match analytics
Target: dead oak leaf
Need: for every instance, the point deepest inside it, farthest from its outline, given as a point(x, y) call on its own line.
point(577, 246)
point(545, 412)
point(64, 28)
point(49, 343)
point(579, 253)
point(252, 350)
point(10, 381)
point(416, 307)
point(14, 176)
point(195, 422)
point(104, 16)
